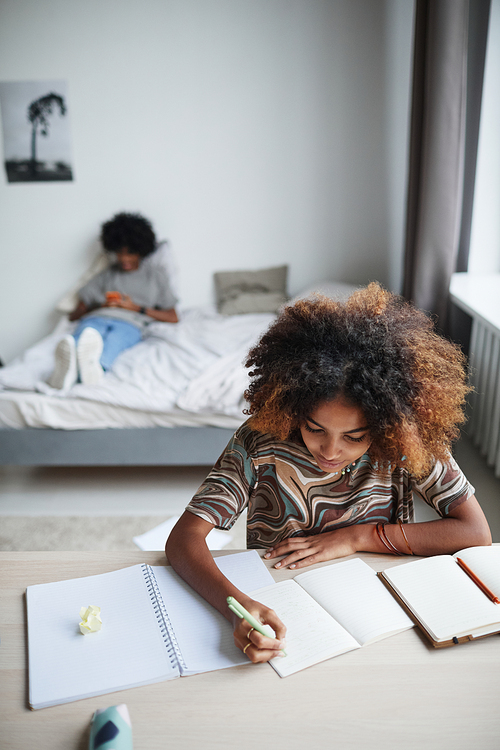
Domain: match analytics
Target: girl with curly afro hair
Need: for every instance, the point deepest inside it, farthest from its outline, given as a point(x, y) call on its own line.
point(353, 408)
point(116, 306)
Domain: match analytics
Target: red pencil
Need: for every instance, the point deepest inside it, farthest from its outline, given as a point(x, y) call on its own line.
point(478, 582)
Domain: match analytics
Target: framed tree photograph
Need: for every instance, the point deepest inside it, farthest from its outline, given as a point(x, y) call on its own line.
point(36, 131)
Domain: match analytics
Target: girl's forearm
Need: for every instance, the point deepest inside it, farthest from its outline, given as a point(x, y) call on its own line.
point(164, 316)
point(80, 310)
point(188, 554)
point(468, 528)
point(190, 557)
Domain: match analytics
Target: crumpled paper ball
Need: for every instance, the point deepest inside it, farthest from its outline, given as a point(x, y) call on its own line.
point(91, 619)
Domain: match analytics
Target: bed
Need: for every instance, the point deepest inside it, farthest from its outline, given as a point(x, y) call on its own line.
point(173, 399)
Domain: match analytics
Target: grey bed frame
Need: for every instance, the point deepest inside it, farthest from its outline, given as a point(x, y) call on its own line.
point(155, 446)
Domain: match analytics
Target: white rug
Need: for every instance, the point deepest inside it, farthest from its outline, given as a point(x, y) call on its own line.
point(75, 533)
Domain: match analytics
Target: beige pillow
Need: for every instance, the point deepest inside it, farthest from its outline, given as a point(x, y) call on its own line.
point(260, 291)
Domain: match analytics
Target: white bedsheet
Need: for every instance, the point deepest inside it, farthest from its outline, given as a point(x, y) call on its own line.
point(190, 372)
point(23, 409)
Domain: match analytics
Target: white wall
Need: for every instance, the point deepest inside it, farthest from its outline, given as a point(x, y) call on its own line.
point(484, 254)
point(251, 132)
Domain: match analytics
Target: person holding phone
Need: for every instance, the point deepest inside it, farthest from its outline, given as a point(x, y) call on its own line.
point(115, 307)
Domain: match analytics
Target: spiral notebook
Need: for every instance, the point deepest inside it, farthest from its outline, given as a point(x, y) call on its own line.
point(155, 628)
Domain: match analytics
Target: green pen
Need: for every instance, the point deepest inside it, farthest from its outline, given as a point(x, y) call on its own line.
point(243, 614)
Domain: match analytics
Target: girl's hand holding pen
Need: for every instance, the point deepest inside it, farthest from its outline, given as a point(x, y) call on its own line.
point(257, 646)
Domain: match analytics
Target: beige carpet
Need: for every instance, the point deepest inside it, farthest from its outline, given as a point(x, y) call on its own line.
point(75, 533)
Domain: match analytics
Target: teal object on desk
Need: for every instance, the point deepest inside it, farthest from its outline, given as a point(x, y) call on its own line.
point(111, 729)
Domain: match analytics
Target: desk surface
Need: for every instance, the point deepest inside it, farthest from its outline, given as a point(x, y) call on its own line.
point(398, 693)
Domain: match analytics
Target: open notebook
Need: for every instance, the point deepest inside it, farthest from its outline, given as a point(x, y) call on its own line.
point(155, 628)
point(444, 600)
point(331, 610)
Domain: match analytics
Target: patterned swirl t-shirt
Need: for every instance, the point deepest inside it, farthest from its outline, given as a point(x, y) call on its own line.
point(287, 494)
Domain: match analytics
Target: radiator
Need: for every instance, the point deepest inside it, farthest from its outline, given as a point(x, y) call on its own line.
point(484, 423)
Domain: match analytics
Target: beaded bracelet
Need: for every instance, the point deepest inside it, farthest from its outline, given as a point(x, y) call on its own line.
point(380, 527)
point(405, 537)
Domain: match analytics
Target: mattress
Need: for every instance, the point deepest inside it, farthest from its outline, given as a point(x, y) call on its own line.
point(19, 410)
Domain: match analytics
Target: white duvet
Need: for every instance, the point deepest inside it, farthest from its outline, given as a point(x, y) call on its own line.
point(195, 365)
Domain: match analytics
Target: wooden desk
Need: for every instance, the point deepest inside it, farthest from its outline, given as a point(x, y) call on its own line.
point(398, 693)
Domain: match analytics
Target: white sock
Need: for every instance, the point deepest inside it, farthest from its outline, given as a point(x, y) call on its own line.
point(65, 370)
point(88, 354)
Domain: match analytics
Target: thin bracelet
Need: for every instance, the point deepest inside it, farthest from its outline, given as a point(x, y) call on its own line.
point(405, 537)
point(396, 550)
point(383, 538)
point(390, 546)
point(393, 546)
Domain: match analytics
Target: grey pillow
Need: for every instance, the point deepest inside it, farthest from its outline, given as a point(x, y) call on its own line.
point(259, 291)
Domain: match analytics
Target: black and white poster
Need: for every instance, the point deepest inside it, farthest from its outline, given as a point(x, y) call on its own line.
point(36, 131)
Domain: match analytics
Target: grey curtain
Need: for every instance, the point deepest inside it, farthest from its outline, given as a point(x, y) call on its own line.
point(448, 68)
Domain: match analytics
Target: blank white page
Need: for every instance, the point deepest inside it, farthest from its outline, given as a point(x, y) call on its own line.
point(485, 562)
point(442, 596)
point(204, 636)
point(312, 635)
point(351, 592)
point(65, 665)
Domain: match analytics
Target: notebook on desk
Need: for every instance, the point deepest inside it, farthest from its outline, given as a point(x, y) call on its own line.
point(155, 628)
point(452, 598)
point(331, 610)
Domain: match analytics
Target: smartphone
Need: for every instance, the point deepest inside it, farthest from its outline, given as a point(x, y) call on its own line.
point(113, 296)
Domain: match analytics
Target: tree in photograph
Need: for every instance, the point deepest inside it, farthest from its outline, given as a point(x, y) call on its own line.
point(38, 113)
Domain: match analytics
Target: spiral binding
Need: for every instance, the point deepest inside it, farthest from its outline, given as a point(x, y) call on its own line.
point(166, 630)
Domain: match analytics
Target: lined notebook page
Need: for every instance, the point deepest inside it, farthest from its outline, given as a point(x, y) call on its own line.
point(204, 636)
point(485, 562)
point(351, 592)
point(443, 596)
point(312, 635)
point(64, 665)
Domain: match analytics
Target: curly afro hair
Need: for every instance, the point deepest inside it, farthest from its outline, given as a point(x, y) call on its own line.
point(129, 230)
point(377, 352)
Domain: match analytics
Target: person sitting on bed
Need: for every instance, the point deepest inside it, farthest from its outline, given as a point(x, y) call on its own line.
point(115, 306)
point(353, 408)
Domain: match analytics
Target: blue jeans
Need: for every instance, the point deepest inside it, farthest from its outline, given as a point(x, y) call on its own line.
point(117, 335)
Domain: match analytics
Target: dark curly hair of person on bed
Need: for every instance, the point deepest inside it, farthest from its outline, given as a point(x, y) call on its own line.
point(132, 231)
point(377, 352)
